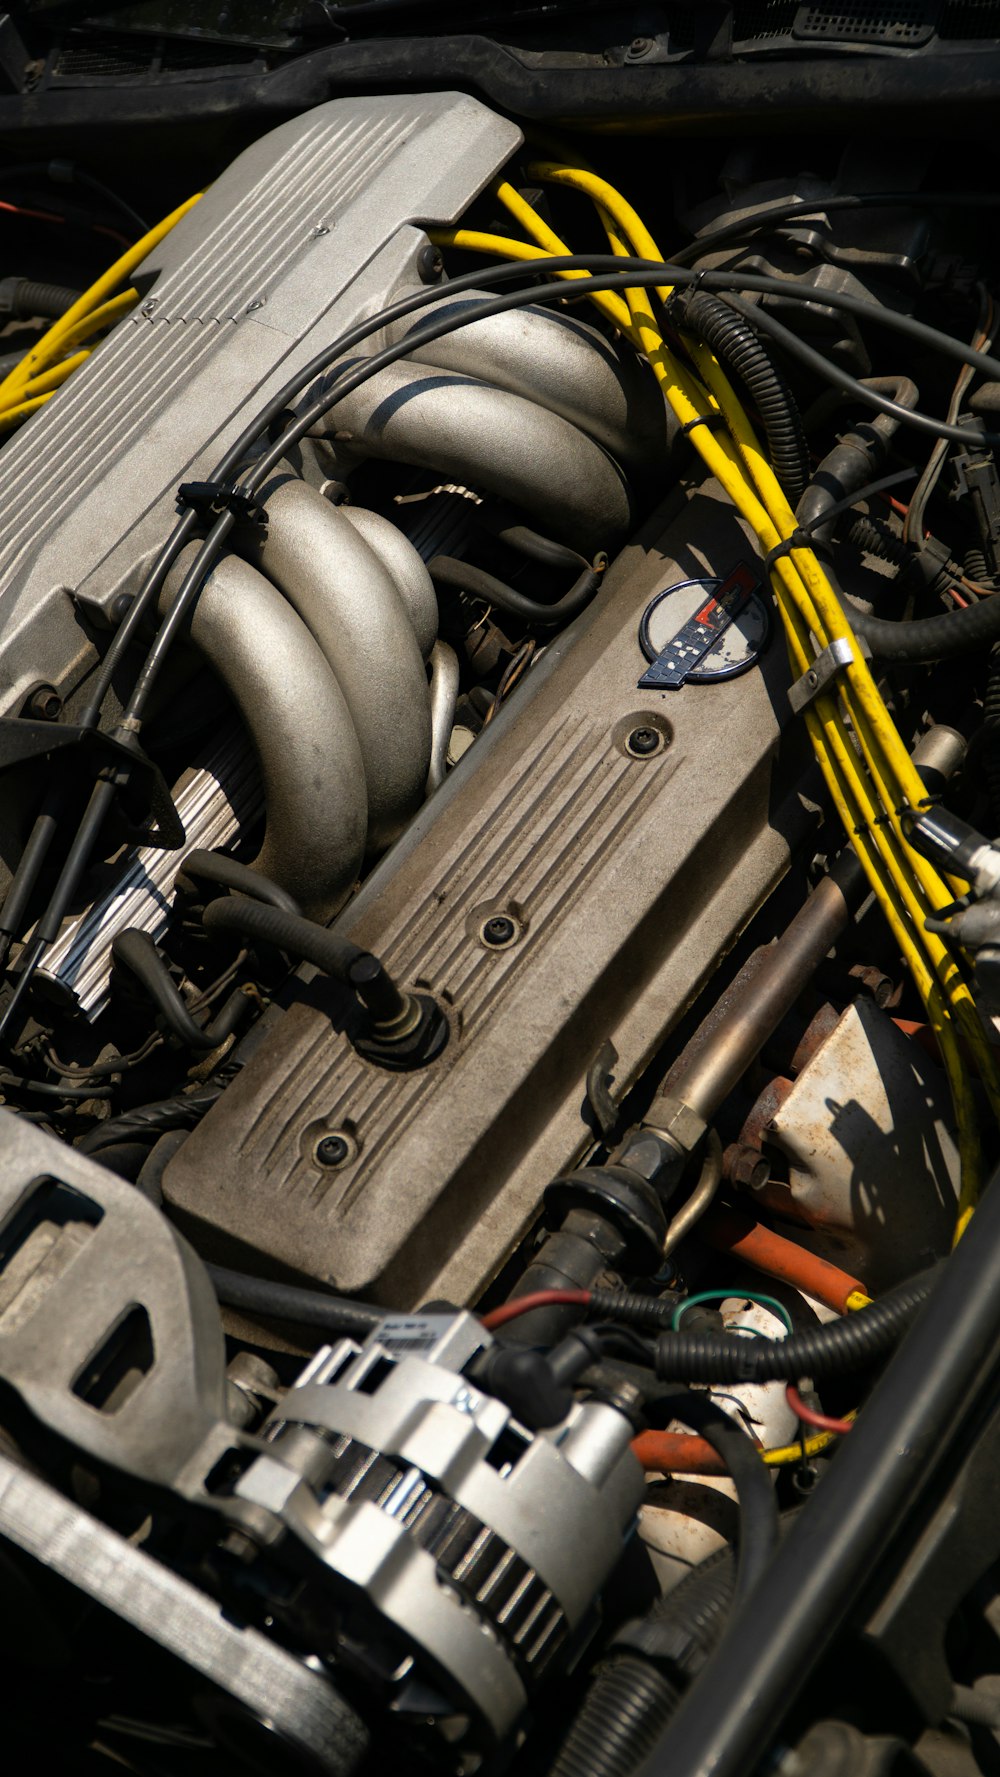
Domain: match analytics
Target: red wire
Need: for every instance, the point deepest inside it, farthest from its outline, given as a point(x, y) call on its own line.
point(820, 1420)
point(37, 215)
point(498, 1317)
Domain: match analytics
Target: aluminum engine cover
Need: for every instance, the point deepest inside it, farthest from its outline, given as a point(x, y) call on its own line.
point(310, 229)
point(623, 877)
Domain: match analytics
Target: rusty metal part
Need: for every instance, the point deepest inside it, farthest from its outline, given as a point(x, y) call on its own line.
point(746, 1166)
point(874, 981)
point(764, 1110)
point(764, 991)
point(816, 1032)
point(872, 1165)
point(627, 878)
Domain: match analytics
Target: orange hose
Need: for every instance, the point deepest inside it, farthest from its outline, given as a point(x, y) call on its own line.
point(732, 1231)
point(666, 1452)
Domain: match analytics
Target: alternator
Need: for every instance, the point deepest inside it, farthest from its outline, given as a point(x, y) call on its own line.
point(460, 1552)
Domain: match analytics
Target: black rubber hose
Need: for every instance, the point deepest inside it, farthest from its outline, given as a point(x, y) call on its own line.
point(758, 1511)
point(831, 1350)
point(214, 866)
point(312, 943)
point(738, 348)
point(287, 1301)
point(633, 1694)
point(150, 1120)
point(922, 640)
point(448, 572)
point(991, 732)
point(136, 951)
point(500, 522)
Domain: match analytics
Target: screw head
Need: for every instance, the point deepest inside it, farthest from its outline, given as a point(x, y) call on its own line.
point(332, 1150)
point(258, 303)
point(640, 46)
point(498, 931)
point(642, 742)
point(430, 264)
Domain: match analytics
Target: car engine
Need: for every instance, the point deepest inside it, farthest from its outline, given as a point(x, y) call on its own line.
point(500, 749)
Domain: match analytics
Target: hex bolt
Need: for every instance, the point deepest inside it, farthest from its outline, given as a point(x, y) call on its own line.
point(642, 742)
point(45, 704)
point(430, 264)
point(747, 1166)
point(640, 46)
point(874, 981)
point(498, 931)
point(332, 1150)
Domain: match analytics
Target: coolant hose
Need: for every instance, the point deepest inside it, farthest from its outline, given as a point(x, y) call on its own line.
point(832, 1350)
point(738, 349)
point(336, 1315)
point(215, 867)
point(635, 1691)
point(138, 953)
point(461, 574)
point(311, 943)
point(919, 641)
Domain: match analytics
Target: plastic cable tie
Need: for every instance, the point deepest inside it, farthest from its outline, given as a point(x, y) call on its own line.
point(211, 499)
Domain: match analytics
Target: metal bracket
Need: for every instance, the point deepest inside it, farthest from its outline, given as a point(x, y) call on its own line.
point(22, 741)
point(830, 661)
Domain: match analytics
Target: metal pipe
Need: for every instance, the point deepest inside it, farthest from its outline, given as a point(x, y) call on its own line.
point(708, 1183)
point(444, 697)
point(764, 991)
point(349, 602)
point(482, 437)
point(562, 363)
point(301, 728)
point(407, 568)
point(733, 1710)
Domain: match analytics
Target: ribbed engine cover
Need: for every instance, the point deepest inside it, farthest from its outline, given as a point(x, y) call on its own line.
point(307, 231)
point(622, 876)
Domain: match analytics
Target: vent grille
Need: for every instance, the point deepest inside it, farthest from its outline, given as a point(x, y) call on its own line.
point(120, 58)
point(757, 19)
point(902, 22)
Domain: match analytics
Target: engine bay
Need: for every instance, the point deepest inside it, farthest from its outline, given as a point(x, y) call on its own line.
point(498, 915)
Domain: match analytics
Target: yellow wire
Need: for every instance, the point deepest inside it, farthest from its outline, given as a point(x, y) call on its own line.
point(499, 246)
point(51, 342)
point(784, 1454)
point(608, 301)
point(12, 416)
point(54, 378)
point(104, 316)
point(799, 576)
